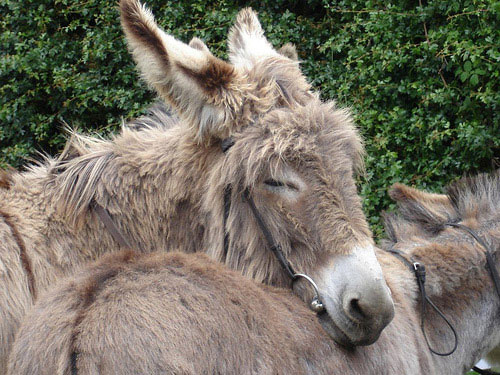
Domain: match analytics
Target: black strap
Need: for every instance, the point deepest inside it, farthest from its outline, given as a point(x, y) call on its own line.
point(485, 371)
point(420, 273)
point(419, 270)
point(74, 358)
point(110, 225)
point(227, 207)
point(275, 248)
point(226, 144)
point(489, 255)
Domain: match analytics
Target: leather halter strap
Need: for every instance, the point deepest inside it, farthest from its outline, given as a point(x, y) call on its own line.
point(23, 253)
point(316, 305)
point(226, 144)
point(485, 371)
point(275, 247)
point(110, 225)
point(419, 270)
point(489, 254)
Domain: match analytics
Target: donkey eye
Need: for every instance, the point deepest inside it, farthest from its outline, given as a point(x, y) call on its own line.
point(274, 183)
point(280, 184)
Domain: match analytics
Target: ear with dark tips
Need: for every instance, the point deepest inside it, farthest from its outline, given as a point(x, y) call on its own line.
point(204, 90)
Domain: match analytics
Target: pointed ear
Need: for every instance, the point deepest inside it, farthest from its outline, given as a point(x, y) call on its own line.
point(420, 206)
point(247, 42)
point(203, 89)
point(198, 44)
point(403, 193)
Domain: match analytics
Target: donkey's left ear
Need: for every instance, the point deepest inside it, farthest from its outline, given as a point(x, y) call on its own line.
point(206, 91)
point(419, 205)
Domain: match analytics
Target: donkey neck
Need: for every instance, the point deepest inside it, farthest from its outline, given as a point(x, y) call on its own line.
point(154, 193)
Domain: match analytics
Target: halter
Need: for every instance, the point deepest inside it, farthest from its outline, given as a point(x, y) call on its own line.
point(315, 305)
point(419, 270)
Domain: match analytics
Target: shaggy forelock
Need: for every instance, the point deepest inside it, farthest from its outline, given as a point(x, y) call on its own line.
point(302, 135)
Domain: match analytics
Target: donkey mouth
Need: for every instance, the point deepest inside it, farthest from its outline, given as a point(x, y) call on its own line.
point(350, 336)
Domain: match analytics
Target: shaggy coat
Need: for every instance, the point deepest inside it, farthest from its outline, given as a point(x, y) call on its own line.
point(163, 181)
point(184, 314)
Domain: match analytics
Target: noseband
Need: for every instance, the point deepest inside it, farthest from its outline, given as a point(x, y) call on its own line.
point(316, 305)
point(419, 270)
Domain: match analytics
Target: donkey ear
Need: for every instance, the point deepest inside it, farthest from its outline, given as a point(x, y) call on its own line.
point(247, 42)
point(198, 44)
point(200, 86)
point(418, 205)
point(403, 193)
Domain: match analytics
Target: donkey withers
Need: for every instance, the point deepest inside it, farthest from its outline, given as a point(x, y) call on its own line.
point(184, 314)
point(164, 186)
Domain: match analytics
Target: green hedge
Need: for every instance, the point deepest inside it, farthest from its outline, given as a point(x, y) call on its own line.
point(423, 81)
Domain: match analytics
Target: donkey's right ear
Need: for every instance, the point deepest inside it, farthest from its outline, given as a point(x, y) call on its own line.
point(206, 91)
point(247, 43)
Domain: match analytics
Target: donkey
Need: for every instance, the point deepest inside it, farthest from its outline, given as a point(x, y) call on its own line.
point(251, 137)
point(185, 314)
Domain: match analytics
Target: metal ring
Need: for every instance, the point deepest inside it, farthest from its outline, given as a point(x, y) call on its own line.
point(316, 304)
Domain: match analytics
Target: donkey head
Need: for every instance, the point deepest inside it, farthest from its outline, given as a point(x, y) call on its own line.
point(295, 155)
point(430, 228)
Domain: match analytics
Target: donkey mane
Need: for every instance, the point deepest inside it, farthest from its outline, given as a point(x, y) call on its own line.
point(465, 199)
point(479, 194)
point(78, 175)
point(158, 115)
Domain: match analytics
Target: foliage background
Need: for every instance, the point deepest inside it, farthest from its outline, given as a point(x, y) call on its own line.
point(422, 78)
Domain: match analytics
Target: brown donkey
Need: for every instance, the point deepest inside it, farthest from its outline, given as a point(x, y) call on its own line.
point(184, 314)
point(251, 137)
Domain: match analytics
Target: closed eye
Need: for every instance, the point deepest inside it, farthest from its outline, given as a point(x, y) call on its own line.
point(278, 184)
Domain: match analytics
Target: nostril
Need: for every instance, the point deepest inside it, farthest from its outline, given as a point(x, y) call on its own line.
point(355, 306)
point(355, 310)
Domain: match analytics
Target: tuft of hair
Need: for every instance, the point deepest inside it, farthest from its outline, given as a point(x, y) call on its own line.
point(78, 177)
point(477, 195)
point(288, 50)
point(390, 225)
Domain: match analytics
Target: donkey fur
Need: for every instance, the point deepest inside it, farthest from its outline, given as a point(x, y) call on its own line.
point(185, 314)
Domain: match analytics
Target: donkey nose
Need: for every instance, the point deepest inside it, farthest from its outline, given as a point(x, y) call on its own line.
point(367, 306)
